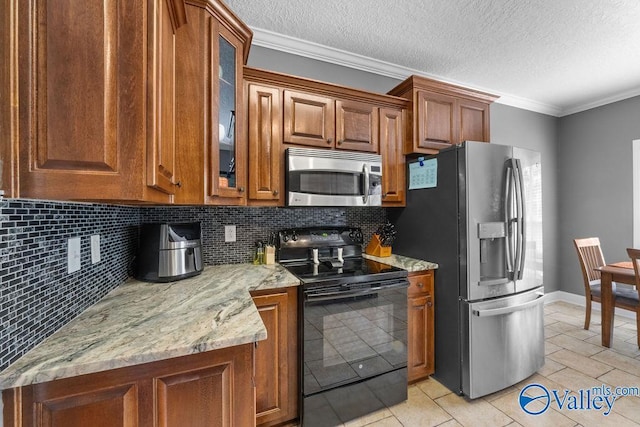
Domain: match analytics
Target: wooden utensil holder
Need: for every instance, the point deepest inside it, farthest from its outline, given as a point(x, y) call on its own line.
point(375, 247)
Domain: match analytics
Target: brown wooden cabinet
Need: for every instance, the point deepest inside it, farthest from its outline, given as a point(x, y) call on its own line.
point(277, 357)
point(309, 119)
point(393, 161)
point(124, 101)
point(265, 142)
point(357, 126)
point(285, 111)
point(325, 122)
point(443, 114)
point(210, 115)
point(94, 85)
point(211, 388)
point(421, 356)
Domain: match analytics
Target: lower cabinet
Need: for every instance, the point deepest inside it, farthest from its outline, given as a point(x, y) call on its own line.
point(421, 355)
point(207, 389)
point(277, 357)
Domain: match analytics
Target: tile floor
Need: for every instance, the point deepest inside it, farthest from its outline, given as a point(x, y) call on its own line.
point(575, 360)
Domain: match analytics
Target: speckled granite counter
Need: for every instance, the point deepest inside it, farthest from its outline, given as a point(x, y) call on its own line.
point(142, 322)
point(409, 264)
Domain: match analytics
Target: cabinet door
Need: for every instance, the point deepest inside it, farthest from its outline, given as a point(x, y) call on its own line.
point(161, 149)
point(393, 163)
point(276, 359)
point(436, 121)
point(81, 125)
point(227, 145)
point(420, 331)
point(195, 398)
point(356, 126)
point(92, 404)
point(474, 121)
point(309, 119)
point(265, 142)
point(191, 87)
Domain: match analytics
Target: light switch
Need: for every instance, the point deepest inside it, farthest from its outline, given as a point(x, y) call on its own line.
point(73, 254)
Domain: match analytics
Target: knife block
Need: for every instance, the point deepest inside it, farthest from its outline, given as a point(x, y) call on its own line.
point(375, 248)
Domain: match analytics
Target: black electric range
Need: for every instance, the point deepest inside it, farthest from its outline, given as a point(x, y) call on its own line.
point(353, 335)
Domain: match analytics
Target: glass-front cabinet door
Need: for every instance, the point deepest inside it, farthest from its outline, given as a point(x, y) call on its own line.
point(227, 158)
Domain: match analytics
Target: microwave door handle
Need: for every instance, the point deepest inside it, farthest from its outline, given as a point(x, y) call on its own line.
point(365, 197)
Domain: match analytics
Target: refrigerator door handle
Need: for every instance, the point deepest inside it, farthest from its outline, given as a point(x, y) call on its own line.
point(521, 215)
point(510, 309)
point(508, 205)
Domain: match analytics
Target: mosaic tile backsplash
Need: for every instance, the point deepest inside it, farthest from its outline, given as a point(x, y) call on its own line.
point(38, 296)
point(253, 224)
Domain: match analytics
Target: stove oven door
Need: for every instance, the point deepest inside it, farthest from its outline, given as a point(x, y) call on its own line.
point(354, 353)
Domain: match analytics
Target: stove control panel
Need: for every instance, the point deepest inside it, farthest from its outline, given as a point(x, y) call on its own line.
point(324, 236)
point(296, 244)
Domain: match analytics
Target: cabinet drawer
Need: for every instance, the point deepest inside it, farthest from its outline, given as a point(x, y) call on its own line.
point(421, 283)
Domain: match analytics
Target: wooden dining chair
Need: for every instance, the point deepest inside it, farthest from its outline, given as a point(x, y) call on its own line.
point(634, 254)
point(591, 257)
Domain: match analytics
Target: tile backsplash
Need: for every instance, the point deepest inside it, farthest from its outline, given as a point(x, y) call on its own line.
point(38, 296)
point(253, 224)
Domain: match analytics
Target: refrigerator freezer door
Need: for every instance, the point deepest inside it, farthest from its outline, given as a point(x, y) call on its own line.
point(530, 270)
point(503, 342)
point(483, 230)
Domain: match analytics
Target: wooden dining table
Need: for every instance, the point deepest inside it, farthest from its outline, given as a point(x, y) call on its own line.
point(620, 272)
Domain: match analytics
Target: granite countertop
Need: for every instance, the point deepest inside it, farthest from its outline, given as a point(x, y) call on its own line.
point(141, 322)
point(409, 264)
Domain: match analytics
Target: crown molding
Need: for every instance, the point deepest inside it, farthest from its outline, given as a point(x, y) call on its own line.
point(600, 102)
point(295, 46)
point(271, 40)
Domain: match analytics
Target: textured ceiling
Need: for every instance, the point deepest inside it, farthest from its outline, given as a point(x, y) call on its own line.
point(552, 56)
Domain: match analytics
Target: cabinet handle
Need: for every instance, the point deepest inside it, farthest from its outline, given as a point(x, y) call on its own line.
point(275, 192)
point(329, 141)
point(421, 285)
point(178, 184)
point(384, 196)
point(241, 189)
point(340, 141)
point(429, 304)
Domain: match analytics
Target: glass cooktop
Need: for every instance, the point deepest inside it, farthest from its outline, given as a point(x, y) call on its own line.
point(353, 270)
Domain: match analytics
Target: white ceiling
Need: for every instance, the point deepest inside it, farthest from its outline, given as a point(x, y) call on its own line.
point(552, 56)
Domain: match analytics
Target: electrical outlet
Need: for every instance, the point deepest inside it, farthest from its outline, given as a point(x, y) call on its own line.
point(73, 254)
point(95, 249)
point(229, 233)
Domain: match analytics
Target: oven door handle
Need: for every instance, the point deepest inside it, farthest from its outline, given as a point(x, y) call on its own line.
point(349, 294)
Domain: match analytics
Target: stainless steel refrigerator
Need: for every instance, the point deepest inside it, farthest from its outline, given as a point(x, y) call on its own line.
point(482, 223)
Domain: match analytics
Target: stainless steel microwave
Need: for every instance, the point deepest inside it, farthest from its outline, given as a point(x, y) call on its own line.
point(333, 178)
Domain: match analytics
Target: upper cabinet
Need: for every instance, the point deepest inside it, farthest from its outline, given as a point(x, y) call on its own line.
point(97, 100)
point(286, 111)
point(326, 122)
point(94, 87)
point(227, 175)
point(393, 162)
point(210, 131)
point(443, 114)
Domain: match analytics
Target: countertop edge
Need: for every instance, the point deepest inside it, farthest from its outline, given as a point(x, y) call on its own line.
point(410, 264)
